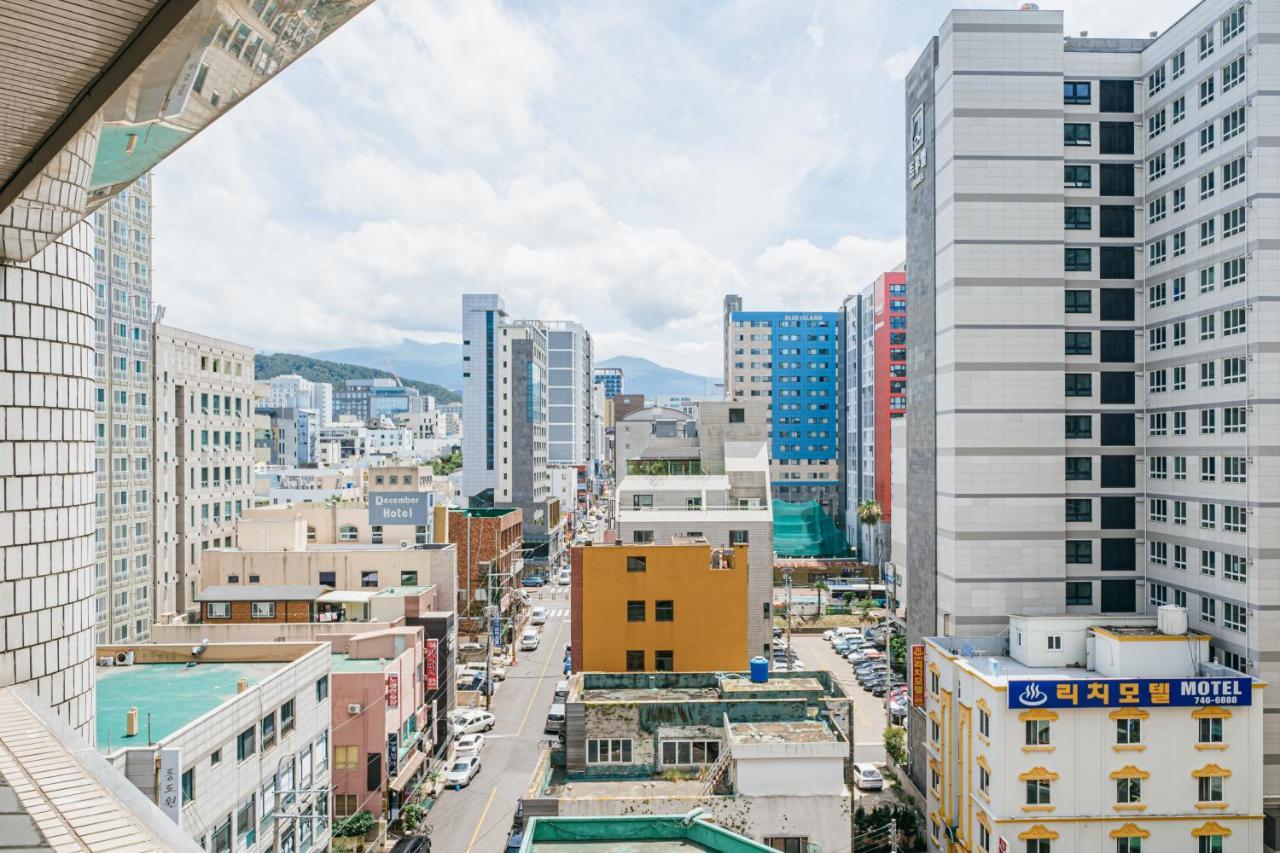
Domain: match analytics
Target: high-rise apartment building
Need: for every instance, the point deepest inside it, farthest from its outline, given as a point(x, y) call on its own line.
point(125, 553)
point(611, 378)
point(204, 440)
point(569, 403)
point(791, 359)
point(874, 333)
point(1093, 352)
point(291, 391)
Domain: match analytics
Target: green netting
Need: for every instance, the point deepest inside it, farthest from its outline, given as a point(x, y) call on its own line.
point(631, 834)
point(804, 530)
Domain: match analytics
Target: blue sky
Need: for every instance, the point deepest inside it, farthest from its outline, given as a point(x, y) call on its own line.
point(620, 163)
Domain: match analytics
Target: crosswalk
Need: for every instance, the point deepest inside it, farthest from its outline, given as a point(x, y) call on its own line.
point(557, 613)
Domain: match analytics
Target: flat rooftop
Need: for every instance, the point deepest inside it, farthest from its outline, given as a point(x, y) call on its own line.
point(631, 834)
point(346, 663)
point(168, 696)
point(782, 731)
point(639, 846)
point(651, 694)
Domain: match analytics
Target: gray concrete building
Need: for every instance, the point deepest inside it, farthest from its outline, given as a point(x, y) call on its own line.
point(1094, 360)
point(569, 399)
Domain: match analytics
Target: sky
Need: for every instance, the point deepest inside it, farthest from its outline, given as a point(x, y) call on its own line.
point(620, 163)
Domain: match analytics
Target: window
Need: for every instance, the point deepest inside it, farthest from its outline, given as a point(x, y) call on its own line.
point(245, 744)
point(664, 611)
point(215, 757)
point(1157, 381)
point(1038, 793)
point(1129, 790)
point(1233, 123)
point(1155, 210)
point(1053, 643)
point(1129, 844)
point(1157, 338)
point(1234, 568)
point(217, 610)
point(1208, 323)
point(1158, 467)
point(1233, 173)
point(1155, 80)
point(1234, 617)
point(1179, 64)
point(635, 611)
point(1209, 788)
point(1079, 343)
point(1077, 133)
point(1077, 218)
point(1079, 551)
point(1233, 272)
point(609, 750)
point(664, 660)
point(268, 731)
point(1078, 301)
point(1180, 384)
point(1078, 260)
point(1157, 423)
point(1206, 138)
point(347, 533)
point(1155, 124)
point(1156, 295)
point(287, 720)
point(1128, 731)
point(220, 838)
point(1178, 109)
point(409, 578)
point(1079, 426)
point(1077, 176)
point(636, 564)
point(1158, 510)
point(1208, 610)
point(1207, 232)
point(1038, 845)
point(1210, 730)
point(346, 757)
point(1076, 92)
point(1233, 222)
point(1207, 185)
point(1079, 468)
point(788, 843)
point(1180, 193)
point(1233, 73)
point(1234, 518)
point(1233, 469)
point(188, 785)
point(984, 723)
point(635, 660)
point(737, 416)
point(1234, 370)
point(1233, 419)
point(686, 752)
point(369, 579)
point(1157, 251)
point(1206, 91)
point(1079, 592)
point(322, 688)
point(262, 610)
point(1208, 468)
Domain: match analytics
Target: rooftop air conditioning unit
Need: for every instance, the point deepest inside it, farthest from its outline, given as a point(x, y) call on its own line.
point(353, 709)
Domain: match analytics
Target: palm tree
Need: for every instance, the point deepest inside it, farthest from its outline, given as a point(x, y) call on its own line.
point(820, 585)
point(869, 516)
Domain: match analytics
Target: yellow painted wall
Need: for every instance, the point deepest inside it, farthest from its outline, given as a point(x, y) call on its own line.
point(709, 631)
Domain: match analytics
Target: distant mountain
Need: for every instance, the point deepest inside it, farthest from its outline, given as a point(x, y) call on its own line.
point(266, 366)
point(642, 376)
point(437, 363)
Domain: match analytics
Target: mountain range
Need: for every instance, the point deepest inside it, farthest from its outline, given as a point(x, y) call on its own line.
point(441, 364)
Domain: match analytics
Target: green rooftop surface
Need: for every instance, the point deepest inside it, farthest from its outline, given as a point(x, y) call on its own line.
point(630, 834)
point(171, 694)
point(346, 663)
point(402, 590)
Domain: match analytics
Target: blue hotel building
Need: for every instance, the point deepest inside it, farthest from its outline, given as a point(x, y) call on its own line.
point(792, 358)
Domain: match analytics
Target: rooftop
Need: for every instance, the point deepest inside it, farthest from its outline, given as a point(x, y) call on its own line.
point(262, 592)
point(483, 512)
point(402, 590)
point(346, 663)
point(783, 731)
point(168, 696)
point(666, 687)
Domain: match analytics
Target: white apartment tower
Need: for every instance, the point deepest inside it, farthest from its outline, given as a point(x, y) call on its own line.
point(203, 457)
point(291, 391)
point(125, 549)
point(483, 315)
point(569, 401)
point(1095, 367)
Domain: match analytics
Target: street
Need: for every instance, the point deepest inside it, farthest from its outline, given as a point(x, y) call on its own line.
point(478, 817)
point(868, 711)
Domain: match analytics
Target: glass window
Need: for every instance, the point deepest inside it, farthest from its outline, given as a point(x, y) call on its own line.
point(1077, 218)
point(1076, 92)
point(1078, 260)
point(1077, 133)
point(635, 611)
point(1078, 301)
point(1077, 176)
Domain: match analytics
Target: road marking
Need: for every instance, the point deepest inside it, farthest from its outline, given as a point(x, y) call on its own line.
point(483, 814)
point(546, 663)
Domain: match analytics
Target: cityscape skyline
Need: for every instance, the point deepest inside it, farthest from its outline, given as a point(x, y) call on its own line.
point(518, 179)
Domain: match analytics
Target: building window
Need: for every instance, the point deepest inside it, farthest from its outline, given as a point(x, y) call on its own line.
point(1077, 176)
point(188, 785)
point(347, 533)
point(268, 731)
point(1053, 643)
point(1079, 468)
point(1076, 92)
point(788, 843)
point(1129, 844)
point(984, 723)
point(635, 660)
point(1128, 732)
point(1078, 260)
point(1077, 218)
point(346, 757)
point(375, 534)
point(1077, 133)
point(1079, 426)
point(1209, 789)
point(664, 611)
point(1079, 592)
point(635, 611)
point(1078, 301)
point(737, 537)
point(1079, 385)
point(1210, 730)
point(1129, 790)
point(1079, 551)
point(686, 752)
point(263, 610)
point(664, 660)
point(369, 579)
point(287, 721)
point(322, 688)
point(217, 610)
point(737, 416)
point(311, 533)
point(1037, 732)
point(609, 750)
point(245, 744)
point(1039, 792)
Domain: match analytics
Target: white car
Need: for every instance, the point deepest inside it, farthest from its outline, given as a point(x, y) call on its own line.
point(564, 578)
point(529, 640)
point(470, 721)
point(462, 771)
point(496, 670)
point(867, 777)
point(468, 745)
point(538, 616)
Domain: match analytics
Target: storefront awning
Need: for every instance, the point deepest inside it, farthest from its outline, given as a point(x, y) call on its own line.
point(411, 765)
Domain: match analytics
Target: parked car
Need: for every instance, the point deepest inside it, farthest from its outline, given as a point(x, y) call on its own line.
point(855, 658)
point(777, 632)
point(555, 719)
point(533, 580)
point(413, 844)
point(474, 681)
point(565, 578)
point(538, 616)
point(867, 777)
point(462, 771)
point(468, 721)
point(497, 671)
point(468, 745)
point(529, 640)
point(562, 690)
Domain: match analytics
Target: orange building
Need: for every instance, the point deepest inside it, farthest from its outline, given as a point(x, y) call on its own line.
point(647, 608)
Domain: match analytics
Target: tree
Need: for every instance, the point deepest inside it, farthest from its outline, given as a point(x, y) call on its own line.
point(895, 744)
point(355, 825)
point(869, 516)
point(820, 585)
point(864, 606)
point(898, 652)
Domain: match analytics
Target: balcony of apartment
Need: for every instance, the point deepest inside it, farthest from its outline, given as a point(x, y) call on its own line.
point(142, 476)
point(101, 549)
point(100, 582)
point(120, 544)
point(120, 376)
point(119, 476)
point(141, 443)
point(119, 578)
point(120, 612)
point(100, 442)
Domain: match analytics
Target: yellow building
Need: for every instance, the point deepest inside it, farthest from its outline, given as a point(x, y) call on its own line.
point(646, 608)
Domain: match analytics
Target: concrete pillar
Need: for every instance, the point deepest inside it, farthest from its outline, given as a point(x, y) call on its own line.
point(47, 475)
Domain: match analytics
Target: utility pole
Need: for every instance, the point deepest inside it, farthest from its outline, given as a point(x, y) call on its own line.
point(893, 835)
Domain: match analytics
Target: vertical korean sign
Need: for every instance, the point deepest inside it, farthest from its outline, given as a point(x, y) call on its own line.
point(433, 664)
point(917, 675)
point(169, 790)
point(393, 690)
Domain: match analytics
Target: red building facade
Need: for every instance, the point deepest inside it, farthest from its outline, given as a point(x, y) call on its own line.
point(890, 374)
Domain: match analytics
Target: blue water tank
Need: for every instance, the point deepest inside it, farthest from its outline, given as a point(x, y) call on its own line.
point(759, 670)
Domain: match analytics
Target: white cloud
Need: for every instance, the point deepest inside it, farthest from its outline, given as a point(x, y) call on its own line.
point(898, 65)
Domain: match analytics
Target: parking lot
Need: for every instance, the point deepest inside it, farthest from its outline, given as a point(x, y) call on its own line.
point(868, 711)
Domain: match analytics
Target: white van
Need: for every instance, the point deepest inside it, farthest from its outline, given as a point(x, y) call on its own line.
point(555, 719)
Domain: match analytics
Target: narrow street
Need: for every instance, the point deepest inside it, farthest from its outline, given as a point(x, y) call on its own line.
point(868, 711)
point(478, 817)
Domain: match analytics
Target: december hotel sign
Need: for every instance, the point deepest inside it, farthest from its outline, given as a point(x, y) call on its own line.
point(1130, 692)
point(390, 508)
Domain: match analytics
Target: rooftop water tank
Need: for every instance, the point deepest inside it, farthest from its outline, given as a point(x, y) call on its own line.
point(1172, 620)
point(759, 670)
